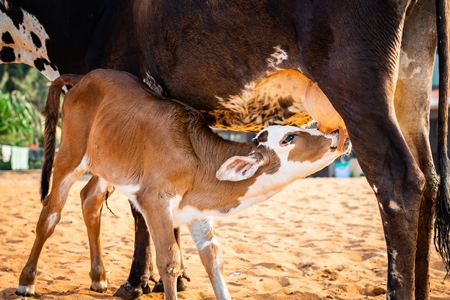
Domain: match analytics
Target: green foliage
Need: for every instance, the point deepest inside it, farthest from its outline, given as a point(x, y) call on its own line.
point(23, 91)
point(20, 122)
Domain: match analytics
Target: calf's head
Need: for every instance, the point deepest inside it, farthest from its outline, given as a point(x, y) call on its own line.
point(289, 152)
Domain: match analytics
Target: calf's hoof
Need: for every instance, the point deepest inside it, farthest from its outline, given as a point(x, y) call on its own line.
point(159, 287)
point(25, 291)
point(99, 286)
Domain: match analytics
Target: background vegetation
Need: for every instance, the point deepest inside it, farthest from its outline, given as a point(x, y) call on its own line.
point(23, 91)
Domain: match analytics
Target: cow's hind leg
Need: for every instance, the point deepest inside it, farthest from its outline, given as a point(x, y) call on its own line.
point(412, 111)
point(93, 195)
point(63, 178)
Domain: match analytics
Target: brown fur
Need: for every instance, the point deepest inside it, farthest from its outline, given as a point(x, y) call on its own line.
point(118, 130)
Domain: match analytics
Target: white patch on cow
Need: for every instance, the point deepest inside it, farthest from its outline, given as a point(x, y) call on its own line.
point(375, 189)
point(130, 191)
point(26, 289)
point(393, 205)
point(394, 272)
point(277, 57)
point(151, 82)
point(244, 110)
point(239, 103)
point(405, 65)
point(381, 206)
point(24, 48)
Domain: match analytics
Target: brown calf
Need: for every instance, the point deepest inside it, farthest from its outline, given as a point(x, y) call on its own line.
point(162, 156)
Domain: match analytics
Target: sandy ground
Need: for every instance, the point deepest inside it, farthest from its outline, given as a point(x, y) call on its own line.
point(318, 239)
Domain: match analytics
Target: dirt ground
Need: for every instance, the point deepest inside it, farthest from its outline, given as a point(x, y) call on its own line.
point(321, 238)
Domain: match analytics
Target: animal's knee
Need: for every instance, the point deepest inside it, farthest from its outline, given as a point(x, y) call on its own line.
point(173, 269)
point(402, 193)
point(432, 184)
point(170, 263)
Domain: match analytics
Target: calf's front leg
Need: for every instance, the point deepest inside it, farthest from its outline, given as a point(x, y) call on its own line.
point(208, 247)
point(159, 221)
point(181, 286)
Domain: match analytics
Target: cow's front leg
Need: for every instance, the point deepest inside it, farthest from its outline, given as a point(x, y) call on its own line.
point(141, 271)
point(399, 187)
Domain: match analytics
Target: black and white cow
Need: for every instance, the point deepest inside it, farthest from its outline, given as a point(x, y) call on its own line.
point(228, 59)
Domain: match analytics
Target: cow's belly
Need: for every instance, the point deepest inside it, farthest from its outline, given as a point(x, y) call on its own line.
point(276, 99)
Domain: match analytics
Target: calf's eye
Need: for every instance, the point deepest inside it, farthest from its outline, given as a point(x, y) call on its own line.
point(288, 139)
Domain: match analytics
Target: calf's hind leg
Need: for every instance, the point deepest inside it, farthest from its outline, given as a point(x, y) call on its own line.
point(63, 178)
point(93, 195)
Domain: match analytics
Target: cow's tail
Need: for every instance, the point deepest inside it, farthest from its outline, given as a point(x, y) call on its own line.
point(442, 209)
point(51, 113)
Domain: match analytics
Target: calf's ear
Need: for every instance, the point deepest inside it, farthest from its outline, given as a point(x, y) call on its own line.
point(238, 168)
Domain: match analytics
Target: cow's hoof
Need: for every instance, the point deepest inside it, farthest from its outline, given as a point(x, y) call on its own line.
point(25, 291)
point(129, 292)
point(146, 289)
point(159, 287)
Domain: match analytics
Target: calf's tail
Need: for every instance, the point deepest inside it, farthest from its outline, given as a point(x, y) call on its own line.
point(51, 113)
point(442, 208)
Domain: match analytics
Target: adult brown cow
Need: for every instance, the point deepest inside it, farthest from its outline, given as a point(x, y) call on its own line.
point(372, 59)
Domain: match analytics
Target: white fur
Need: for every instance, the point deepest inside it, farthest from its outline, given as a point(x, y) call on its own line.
point(277, 57)
point(24, 48)
point(129, 191)
point(69, 179)
point(375, 189)
point(394, 206)
point(26, 290)
point(151, 82)
point(99, 285)
point(394, 272)
point(51, 220)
